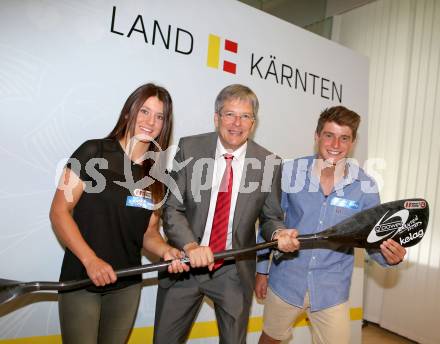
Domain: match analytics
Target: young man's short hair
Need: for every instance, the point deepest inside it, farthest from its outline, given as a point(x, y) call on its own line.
point(341, 116)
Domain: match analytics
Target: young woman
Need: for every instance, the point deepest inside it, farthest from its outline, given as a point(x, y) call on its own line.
point(104, 213)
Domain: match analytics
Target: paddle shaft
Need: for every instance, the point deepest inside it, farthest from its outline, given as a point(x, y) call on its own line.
point(161, 266)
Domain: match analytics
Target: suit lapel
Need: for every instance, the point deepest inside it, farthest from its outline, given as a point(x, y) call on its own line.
point(207, 150)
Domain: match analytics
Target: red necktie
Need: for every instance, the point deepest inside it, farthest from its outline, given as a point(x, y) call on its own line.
point(219, 229)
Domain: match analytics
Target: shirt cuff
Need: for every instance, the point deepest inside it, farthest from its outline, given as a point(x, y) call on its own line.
point(263, 267)
point(275, 232)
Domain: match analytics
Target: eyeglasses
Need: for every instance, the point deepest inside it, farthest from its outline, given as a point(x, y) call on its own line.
point(230, 117)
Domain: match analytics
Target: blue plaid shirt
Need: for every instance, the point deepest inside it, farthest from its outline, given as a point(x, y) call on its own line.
point(324, 273)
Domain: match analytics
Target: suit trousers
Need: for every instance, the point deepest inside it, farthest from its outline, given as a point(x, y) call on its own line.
point(178, 306)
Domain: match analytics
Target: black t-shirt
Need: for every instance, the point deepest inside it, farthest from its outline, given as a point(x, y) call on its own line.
point(111, 228)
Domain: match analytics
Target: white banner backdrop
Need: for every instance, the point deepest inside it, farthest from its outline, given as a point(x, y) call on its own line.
point(66, 68)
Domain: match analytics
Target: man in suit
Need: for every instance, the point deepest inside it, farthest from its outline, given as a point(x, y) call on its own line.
point(228, 183)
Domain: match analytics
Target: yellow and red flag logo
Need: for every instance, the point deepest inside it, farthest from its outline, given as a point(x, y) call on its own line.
point(213, 59)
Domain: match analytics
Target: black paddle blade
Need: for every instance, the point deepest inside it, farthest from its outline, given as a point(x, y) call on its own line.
point(405, 221)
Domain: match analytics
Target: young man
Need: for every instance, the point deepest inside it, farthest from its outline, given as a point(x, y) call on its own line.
point(226, 185)
point(319, 192)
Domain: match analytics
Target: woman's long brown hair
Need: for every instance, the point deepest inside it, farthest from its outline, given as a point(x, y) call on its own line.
point(125, 127)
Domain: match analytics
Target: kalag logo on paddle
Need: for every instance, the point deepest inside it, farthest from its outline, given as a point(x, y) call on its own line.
point(397, 223)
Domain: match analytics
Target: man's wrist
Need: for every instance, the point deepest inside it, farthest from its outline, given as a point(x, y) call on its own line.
point(274, 234)
point(190, 246)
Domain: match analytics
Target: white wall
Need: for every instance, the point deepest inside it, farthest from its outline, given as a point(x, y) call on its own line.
point(401, 39)
point(64, 76)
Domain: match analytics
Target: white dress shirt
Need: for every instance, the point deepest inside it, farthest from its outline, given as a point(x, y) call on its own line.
point(219, 170)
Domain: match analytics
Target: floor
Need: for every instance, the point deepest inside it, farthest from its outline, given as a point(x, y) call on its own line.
point(373, 334)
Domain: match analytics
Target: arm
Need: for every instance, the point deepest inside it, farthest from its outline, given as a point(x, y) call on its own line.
point(262, 276)
point(271, 218)
point(155, 243)
point(176, 225)
point(263, 258)
point(271, 215)
point(68, 232)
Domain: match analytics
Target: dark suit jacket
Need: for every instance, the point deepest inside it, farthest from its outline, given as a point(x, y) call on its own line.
point(184, 220)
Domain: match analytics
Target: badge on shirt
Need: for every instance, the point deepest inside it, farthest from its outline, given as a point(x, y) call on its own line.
point(141, 199)
point(344, 203)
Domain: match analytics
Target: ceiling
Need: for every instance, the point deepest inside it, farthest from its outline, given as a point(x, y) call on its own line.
point(314, 15)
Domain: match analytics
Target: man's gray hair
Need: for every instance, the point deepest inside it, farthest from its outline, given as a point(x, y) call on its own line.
point(236, 91)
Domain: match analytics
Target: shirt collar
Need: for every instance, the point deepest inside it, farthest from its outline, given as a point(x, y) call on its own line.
point(354, 173)
point(238, 154)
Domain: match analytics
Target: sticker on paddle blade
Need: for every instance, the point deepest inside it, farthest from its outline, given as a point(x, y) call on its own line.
point(406, 226)
point(414, 204)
